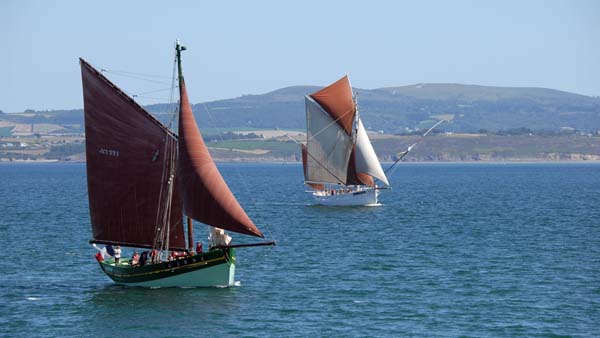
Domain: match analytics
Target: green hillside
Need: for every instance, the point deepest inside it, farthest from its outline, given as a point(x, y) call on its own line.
point(392, 110)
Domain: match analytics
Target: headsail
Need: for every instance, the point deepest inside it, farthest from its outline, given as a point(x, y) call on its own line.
point(206, 196)
point(366, 159)
point(125, 153)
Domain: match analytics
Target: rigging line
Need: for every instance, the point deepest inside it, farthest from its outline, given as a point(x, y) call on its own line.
point(150, 98)
point(327, 126)
point(175, 107)
point(115, 71)
point(288, 136)
point(139, 78)
point(324, 167)
point(168, 175)
point(408, 150)
point(154, 91)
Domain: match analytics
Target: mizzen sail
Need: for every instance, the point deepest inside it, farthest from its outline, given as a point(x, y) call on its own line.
point(125, 154)
point(206, 197)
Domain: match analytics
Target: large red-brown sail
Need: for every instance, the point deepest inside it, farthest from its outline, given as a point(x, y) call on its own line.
point(337, 100)
point(206, 196)
point(125, 153)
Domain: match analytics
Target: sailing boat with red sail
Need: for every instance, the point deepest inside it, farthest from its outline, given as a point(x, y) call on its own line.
point(143, 179)
point(340, 164)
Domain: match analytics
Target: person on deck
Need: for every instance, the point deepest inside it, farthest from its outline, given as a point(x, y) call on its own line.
point(135, 259)
point(154, 256)
point(143, 258)
point(117, 254)
point(218, 237)
point(199, 247)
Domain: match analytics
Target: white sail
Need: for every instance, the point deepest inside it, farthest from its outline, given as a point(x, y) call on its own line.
point(366, 159)
point(328, 146)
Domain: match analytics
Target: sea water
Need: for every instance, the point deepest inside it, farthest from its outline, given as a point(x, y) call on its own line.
point(454, 250)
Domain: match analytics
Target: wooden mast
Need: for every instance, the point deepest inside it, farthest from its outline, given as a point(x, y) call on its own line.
point(179, 48)
point(190, 228)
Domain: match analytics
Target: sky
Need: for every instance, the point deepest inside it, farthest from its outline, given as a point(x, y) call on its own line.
point(254, 47)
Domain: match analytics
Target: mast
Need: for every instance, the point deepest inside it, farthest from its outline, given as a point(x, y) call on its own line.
point(179, 48)
point(205, 195)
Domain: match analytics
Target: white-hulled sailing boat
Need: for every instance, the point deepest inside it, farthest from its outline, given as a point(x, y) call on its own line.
point(340, 164)
point(143, 179)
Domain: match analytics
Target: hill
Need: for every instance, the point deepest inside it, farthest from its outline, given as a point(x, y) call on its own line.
point(471, 108)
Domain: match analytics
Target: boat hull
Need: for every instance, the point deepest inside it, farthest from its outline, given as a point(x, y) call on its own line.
point(215, 268)
point(366, 197)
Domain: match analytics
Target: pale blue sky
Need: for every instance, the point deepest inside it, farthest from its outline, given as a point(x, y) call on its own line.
point(252, 47)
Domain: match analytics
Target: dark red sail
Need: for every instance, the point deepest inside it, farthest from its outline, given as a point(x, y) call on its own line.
point(125, 153)
point(206, 196)
point(337, 100)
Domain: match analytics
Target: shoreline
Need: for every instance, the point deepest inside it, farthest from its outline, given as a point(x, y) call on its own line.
point(515, 161)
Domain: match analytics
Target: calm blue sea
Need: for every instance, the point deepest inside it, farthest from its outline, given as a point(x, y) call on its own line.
point(455, 250)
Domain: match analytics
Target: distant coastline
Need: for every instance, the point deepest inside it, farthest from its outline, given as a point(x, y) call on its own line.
point(266, 146)
point(384, 163)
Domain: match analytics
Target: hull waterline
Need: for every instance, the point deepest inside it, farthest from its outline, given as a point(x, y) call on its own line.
point(364, 197)
point(215, 268)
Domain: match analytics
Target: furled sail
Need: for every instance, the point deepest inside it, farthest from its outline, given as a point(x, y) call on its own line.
point(366, 159)
point(206, 196)
point(125, 153)
point(328, 146)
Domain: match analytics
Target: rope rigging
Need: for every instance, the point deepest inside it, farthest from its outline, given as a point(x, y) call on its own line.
point(409, 149)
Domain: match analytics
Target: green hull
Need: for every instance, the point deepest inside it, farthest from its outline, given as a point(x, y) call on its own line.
point(209, 269)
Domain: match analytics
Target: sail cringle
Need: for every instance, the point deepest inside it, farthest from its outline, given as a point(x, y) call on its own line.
point(328, 146)
point(125, 157)
point(206, 196)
